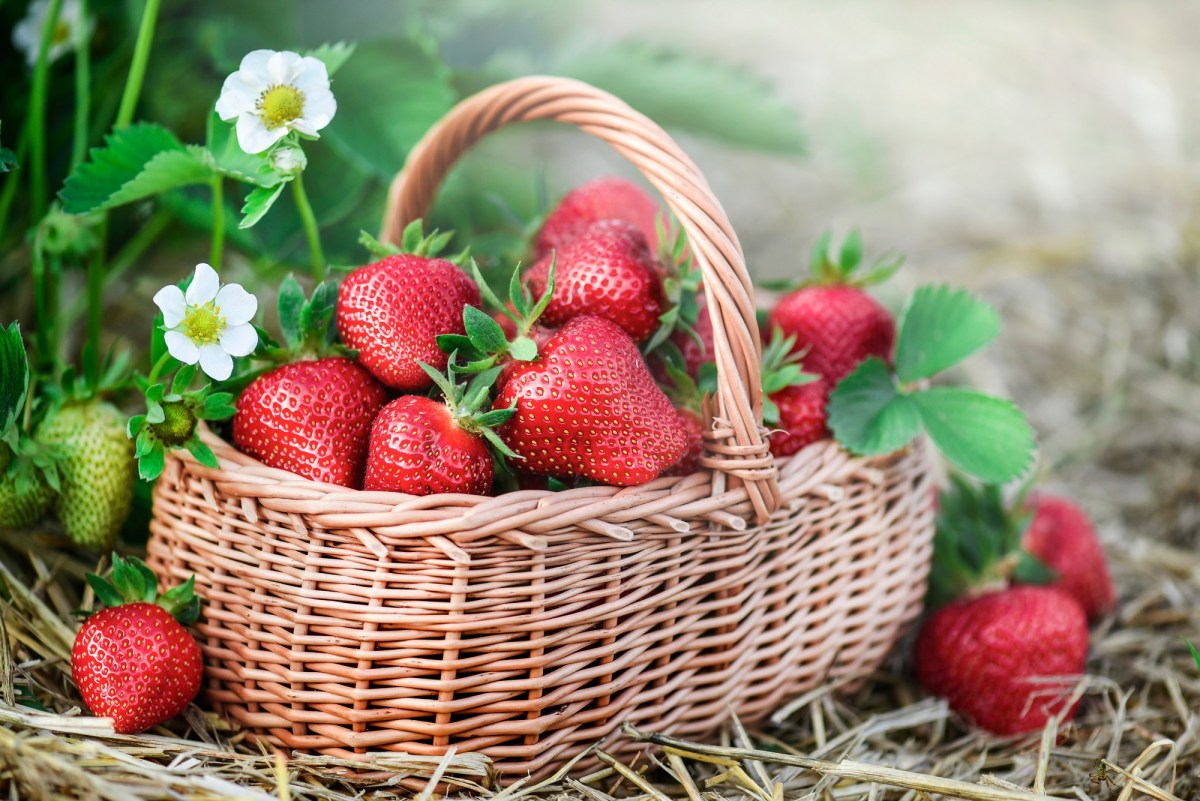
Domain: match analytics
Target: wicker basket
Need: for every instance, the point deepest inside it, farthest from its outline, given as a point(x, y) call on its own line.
point(529, 624)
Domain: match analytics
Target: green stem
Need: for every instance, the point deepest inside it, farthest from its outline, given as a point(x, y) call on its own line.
point(137, 68)
point(41, 311)
point(152, 379)
point(83, 87)
point(310, 229)
point(218, 232)
point(37, 116)
point(11, 183)
point(125, 258)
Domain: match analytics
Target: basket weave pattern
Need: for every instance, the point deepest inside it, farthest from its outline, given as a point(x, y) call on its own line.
point(530, 623)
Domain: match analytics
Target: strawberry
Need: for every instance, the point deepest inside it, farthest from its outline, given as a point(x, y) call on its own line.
point(96, 470)
point(312, 418)
point(693, 428)
point(134, 662)
point(795, 400)
point(392, 311)
point(608, 198)
point(588, 406)
point(22, 503)
point(836, 324)
point(1062, 537)
point(607, 271)
point(986, 655)
point(312, 415)
point(421, 446)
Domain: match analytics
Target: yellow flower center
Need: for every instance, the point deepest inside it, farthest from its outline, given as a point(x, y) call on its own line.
point(203, 324)
point(62, 32)
point(280, 104)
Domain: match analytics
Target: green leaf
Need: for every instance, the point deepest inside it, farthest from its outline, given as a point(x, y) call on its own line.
point(204, 454)
point(495, 417)
point(1031, 570)
point(258, 202)
point(291, 303)
point(485, 334)
point(411, 238)
point(150, 465)
point(334, 55)
point(183, 379)
point(218, 406)
point(104, 590)
point(523, 349)
point(940, 327)
point(136, 162)
point(379, 250)
point(388, 96)
point(985, 436)
point(14, 375)
point(149, 580)
point(693, 92)
point(851, 253)
point(451, 343)
point(867, 413)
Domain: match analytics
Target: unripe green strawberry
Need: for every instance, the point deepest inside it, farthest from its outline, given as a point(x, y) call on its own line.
point(21, 510)
point(97, 471)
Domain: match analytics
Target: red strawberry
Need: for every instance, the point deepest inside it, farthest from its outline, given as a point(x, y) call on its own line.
point(134, 662)
point(609, 272)
point(1062, 537)
point(802, 418)
point(985, 654)
point(312, 418)
point(422, 446)
point(392, 312)
point(588, 406)
point(836, 324)
point(690, 461)
point(601, 199)
point(836, 327)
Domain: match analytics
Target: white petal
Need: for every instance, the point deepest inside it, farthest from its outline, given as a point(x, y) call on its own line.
point(254, 65)
point(204, 286)
point(237, 97)
point(170, 300)
point(25, 36)
point(282, 66)
point(215, 362)
point(236, 304)
point(305, 127)
point(319, 109)
point(239, 340)
point(182, 348)
point(254, 137)
point(312, 76)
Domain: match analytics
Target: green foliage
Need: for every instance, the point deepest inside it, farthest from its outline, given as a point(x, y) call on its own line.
point(258, 202)
point(135, 163)
point(693, 92)
point(14, 375)
point(131, 581)
point(873, 411)
point(941, 327)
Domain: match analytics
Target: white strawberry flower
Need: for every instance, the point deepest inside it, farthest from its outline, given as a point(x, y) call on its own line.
point(69, 30)
point(273, 93)
point(210, 324)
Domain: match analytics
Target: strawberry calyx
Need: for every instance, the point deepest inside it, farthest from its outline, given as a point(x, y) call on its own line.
point(130, 581)
point(681, 287)
point(415, 242)
point(470, 404)
point(306, 323)
point(781, 368)
point(485, 343)
point(845, 268)
point(977, 543)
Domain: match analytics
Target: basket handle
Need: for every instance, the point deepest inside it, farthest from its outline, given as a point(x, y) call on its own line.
point(736, 446)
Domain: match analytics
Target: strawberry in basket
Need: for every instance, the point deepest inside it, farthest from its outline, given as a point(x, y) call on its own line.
point(608, 198)
point(312, 415)
point(836, 324)
point(422, 446)
point(586, 404)
point(795, 400)
point(392, 311)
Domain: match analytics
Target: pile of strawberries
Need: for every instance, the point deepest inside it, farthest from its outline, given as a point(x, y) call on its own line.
point(592, 370)
point(1013, 589)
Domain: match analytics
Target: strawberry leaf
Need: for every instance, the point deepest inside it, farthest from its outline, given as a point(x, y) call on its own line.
point(869, 415)
point(204, 454)
point(291, 302)
point(1031, 570)
point(851, 253)
point(258, 202)
point(135, 162)
point(14, 375)
point(982, 435)
point(105, 591)
point(485, 334)
point(940, 327)
point(410, 240)
point(523, 349)
point(150, 465)
point(333, 55)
